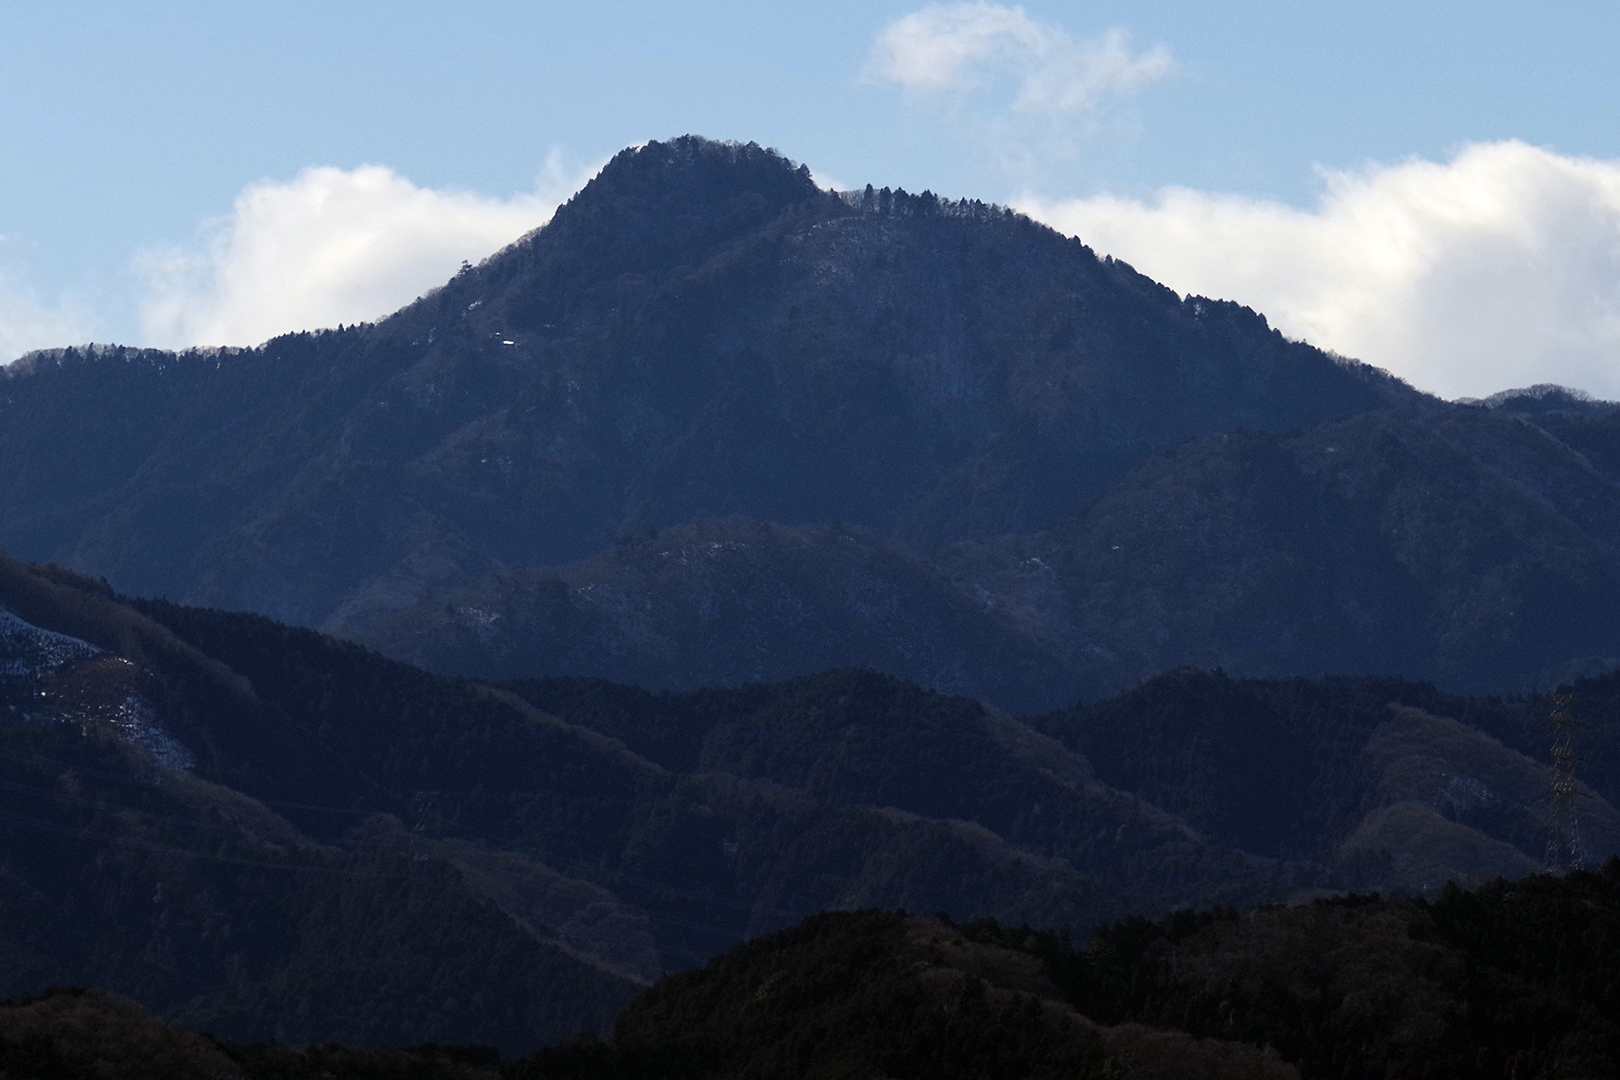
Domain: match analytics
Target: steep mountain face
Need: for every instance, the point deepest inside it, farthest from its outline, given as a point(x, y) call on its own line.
point(699, 333)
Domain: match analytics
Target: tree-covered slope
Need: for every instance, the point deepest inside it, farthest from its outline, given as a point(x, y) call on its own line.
point(1510, 980)
point(699, 333)
point(257, 820)
point(723, 603)
point(712, 424)
point(1476, 548)
point(279, 834)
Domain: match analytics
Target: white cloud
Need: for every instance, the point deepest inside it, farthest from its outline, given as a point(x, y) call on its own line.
point(28, 322)
point(1498, 268)
point(953, 48)
point(1023, 92)
point(329, 246)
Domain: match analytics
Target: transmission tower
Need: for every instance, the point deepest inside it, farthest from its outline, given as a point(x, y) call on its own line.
point(1563, 839)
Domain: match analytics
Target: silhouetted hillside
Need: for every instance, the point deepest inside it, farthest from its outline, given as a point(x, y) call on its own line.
point(69, 1034)
point(1506, 981)
point(1511, 980)
point(276, 834)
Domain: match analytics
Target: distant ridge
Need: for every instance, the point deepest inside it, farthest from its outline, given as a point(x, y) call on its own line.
point(1543, 397)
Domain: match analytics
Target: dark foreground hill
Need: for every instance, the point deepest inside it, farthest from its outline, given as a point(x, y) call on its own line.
point(71, 1034)
point(266, 833)
point(1506, 981)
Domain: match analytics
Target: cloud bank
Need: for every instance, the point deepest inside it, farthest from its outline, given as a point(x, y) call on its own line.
point(28, 323)
point(1496, 269)
point(1019, 88)
point(329, 246)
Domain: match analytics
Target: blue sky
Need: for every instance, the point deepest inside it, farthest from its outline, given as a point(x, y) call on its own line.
point(1366, 173)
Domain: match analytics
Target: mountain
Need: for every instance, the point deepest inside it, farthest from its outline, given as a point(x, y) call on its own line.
point(699, 336)
point(1508, 980)
point(135, 858)
point(957, 570)
point(1479, 547)
point(725, 602)
point(279, 835)
point(69, 1033)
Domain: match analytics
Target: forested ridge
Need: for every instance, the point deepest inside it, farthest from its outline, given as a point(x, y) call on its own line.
point(283, 836)
point(1507, 980)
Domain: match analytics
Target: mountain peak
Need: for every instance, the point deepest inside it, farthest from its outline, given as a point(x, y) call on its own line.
point(651, 209)
point(691, 174)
